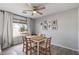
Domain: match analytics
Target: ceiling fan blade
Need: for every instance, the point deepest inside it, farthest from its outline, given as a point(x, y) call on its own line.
point(25, 11)
point(40, 5)
point(30, 5)
point(39, 12)
point(35, 6)
point(40, 8)
point(28, 10)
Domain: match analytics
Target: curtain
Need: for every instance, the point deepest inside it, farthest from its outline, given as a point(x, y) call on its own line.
point(6, 29)
point(7, 34)
point(1, 27)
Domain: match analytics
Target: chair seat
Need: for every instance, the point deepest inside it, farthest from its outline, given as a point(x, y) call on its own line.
point(29, 46)
point(44, 46)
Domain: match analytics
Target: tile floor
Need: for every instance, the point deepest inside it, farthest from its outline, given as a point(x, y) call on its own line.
point(55, 50)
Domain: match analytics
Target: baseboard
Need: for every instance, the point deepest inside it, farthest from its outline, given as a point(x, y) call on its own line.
point(65, 47)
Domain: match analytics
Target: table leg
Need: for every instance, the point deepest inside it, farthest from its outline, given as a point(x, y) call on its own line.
point(38, 48)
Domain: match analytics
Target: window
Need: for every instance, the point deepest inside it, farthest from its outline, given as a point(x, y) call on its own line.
point(17, 28)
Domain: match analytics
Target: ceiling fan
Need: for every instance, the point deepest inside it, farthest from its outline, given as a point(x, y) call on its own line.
point(35, 9)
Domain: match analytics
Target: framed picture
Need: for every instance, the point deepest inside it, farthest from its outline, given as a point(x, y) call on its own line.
point(54, 24)
point(49, 24)
point(44, 25)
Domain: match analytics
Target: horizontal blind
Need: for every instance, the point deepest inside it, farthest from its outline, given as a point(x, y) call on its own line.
point(18, 19)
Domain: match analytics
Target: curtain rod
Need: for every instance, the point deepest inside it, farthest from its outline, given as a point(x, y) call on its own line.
point(12, 13)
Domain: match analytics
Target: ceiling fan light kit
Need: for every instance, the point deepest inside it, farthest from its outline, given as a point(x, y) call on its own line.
point(34, 12)
point(35, 9)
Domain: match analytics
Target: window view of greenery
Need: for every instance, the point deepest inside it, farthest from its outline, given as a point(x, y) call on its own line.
point(23, 28)
point(18, 28)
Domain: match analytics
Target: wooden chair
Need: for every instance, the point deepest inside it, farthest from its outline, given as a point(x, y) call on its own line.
point(24, 43)
point(45, 47)
point(28, 45)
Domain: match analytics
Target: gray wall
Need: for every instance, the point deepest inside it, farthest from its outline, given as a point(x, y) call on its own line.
point(33, 26)
point(67, 34)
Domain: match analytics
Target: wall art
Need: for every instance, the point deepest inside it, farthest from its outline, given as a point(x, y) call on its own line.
point(49, 24)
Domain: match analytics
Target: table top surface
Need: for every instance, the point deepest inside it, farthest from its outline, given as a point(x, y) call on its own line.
point(37, 38)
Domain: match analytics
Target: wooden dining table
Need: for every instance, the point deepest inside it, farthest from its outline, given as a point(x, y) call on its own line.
point(37, 39)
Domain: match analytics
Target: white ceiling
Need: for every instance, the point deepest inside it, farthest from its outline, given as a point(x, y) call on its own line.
point(51, 8)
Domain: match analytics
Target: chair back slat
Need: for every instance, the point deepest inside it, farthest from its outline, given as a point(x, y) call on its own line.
point(27, 44)
point(48, 42)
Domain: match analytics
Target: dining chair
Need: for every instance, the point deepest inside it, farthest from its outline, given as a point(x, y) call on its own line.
point(28, 45)
point(45, 48)
point(24, 44)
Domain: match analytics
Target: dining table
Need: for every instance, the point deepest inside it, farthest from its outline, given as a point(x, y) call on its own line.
point(37, 39)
